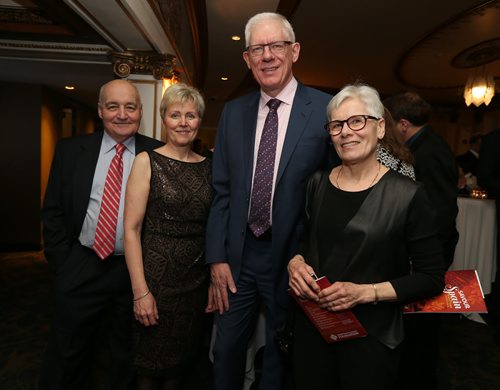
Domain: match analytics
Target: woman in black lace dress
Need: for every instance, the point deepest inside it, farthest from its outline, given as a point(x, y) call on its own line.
point(167, 202)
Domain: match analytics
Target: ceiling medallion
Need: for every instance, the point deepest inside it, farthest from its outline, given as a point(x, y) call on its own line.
point(477, 55)
point(160, 66)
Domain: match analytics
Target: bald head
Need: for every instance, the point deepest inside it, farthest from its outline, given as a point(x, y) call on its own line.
point(120, 109)
point(118, 83)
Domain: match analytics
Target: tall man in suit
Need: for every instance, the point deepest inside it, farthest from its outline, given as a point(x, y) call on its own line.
point(436, 168)
point(256, 219)
point(89, 288)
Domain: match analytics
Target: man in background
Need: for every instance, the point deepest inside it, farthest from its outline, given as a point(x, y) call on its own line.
point(489, 179)
point(469, 160)
point(82, 219)
point(268, 144)
point(436, 168)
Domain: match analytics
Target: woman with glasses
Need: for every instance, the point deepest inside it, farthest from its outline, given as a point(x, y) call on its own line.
point(167, 202)
point(370, 231)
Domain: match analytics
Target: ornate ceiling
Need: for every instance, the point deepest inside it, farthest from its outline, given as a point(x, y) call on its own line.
point(427, 45)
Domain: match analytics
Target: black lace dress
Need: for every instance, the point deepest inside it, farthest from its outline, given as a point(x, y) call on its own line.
point(173, 241)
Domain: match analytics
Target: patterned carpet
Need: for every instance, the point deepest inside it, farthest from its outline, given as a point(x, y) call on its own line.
point(470, 352)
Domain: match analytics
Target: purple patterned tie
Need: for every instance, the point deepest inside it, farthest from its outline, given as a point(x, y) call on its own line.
point(260, 207)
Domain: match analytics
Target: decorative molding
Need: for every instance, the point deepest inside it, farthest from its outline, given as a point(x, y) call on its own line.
point(480, 54)
point(54, 46)
point(141, 62)
point(22, 16)
point(434, 53)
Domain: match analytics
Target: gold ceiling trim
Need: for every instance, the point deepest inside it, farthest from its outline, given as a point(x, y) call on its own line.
point(160, 66)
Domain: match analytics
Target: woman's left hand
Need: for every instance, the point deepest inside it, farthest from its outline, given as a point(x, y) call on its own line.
point(344, 295)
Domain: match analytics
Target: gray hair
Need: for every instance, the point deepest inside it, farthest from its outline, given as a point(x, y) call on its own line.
point(181, 93)
point(266, 16)
point(366, 94)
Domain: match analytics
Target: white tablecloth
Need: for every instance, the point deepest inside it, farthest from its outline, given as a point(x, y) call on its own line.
point(476, 248)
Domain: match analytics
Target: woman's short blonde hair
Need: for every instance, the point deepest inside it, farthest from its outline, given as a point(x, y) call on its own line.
point(181, 93)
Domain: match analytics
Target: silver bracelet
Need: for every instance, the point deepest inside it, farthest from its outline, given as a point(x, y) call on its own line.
point(142, 296)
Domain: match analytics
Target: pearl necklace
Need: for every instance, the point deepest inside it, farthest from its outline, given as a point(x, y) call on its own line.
point(373, 181)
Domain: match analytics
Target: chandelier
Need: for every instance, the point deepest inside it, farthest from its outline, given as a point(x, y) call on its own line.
point(479, 89)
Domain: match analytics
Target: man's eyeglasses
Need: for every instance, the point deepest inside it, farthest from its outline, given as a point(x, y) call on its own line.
point(275, 47)
point(355, 122)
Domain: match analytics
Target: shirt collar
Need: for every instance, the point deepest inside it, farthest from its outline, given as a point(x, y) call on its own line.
point(108, 143)
point(286, 95)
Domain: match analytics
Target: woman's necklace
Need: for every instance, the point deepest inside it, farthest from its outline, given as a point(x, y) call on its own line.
point(373, 181)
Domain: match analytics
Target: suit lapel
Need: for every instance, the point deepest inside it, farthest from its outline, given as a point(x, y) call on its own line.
point(139, 144)
point(84, 176)
point(296, 125)
point(249, 128)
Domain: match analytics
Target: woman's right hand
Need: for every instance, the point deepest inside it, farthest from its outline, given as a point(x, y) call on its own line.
point(145, 310)
point(302, 278)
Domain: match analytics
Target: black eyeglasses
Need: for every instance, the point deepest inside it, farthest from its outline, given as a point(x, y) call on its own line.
point(355, 122)
point(275, 47)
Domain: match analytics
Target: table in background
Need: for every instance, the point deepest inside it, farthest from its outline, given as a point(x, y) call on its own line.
point(477, 246)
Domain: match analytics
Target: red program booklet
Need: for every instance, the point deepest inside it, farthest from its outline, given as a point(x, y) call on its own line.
point(462, 293)
point(333, 326)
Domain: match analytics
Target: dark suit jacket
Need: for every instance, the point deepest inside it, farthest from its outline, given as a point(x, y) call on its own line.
point(468, 162)
point(306, 148)
point(489, 164)
point(436, 168)
point(68, 191)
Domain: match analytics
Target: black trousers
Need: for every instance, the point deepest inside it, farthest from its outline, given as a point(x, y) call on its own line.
point(87, 292)
point(420, 352)
point(357, 364)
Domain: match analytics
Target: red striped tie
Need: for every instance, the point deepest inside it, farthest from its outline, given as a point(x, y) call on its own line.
point(104, 241)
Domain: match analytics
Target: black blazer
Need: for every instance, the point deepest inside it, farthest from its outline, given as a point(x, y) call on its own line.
point(436, 168)
point(68, 190)
point(468, 162)
point(374, 249)
point(489, 164)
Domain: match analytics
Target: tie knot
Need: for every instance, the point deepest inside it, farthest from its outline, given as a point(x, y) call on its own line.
point(119, 149)
point(273, 104)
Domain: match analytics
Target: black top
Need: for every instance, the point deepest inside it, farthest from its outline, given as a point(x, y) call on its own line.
point(344, 205)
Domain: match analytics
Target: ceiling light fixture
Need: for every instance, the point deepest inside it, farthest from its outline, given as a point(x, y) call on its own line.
point(479, 89)
point(69, 87)
point(224, 78)
point(235, 37)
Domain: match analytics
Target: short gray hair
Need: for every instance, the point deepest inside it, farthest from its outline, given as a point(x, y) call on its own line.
point(181, 93)
point(263, 17)
point(366, 94)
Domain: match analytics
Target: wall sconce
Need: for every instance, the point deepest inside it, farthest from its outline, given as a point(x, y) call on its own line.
point(167, 82)
point(479, 89)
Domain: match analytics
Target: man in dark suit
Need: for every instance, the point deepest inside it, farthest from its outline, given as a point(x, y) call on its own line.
point(89, 288)
point(470, 159)
point(435, 164)
point(436, 168)
point(489, 179)
point(248, 263)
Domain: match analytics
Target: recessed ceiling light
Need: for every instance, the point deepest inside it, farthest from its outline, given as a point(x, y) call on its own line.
point(224, 78)
point(69, 87)
point(235, 37)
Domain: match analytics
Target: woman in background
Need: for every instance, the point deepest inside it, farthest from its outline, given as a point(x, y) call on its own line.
point(166, 207)
point(391, 150)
